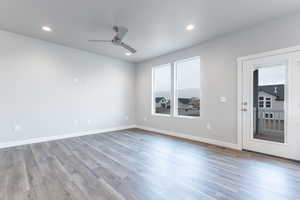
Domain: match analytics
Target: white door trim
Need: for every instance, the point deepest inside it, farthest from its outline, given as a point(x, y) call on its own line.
point(270, 53)
point(240, 62)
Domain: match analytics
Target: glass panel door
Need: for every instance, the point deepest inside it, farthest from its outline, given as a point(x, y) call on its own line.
point(269, 105)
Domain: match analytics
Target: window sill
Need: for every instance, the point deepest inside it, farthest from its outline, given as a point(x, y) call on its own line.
point(175, 116)
point(161, 115)
point(187, 117)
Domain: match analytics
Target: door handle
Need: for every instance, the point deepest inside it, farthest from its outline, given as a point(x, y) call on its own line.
point(244, 104)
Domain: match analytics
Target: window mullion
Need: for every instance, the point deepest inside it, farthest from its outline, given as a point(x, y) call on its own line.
point(173, 88)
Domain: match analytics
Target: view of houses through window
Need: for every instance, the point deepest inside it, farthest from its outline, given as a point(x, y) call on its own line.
point(269, 93)
point(162, 89)
point(186, 83)
point(187, 90)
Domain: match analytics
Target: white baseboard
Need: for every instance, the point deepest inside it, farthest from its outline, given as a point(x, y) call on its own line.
point(96, 131)
point(194, 138)
point(64, 136)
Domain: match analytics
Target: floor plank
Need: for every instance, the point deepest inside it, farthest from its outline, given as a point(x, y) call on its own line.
point(140, 165)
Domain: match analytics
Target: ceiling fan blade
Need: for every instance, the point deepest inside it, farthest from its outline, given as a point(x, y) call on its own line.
point(121, 32)
point(99, 40)
point(129, 48)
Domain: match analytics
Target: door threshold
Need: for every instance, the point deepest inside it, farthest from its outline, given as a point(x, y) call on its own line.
point(273, 156)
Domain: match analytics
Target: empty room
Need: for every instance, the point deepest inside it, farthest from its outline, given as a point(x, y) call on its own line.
point(149, 100)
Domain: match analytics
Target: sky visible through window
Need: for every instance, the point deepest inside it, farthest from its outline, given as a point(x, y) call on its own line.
point(274, 75)
point(188, 79)
point(162, 80)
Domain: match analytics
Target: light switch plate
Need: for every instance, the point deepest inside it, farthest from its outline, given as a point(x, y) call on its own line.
point(223, 99)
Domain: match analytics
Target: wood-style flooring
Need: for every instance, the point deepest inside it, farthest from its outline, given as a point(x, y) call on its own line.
point(140, 165)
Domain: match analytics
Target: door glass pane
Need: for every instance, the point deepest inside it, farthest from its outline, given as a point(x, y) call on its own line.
point(268, 103)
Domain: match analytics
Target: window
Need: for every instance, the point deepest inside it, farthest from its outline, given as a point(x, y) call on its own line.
point(187, 87)
point(268, 102)
point(264, 102)
point(161, 89)
point(176, 88)
point(266, 115)
point(261, 102)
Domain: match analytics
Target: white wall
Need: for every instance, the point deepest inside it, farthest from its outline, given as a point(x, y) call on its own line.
point(218, 78)
point(40, 92)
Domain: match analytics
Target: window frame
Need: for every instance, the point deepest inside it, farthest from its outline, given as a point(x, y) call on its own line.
point(264, 101)
point(153, 102)
point(268, 101)
point(173, 99)
point(261, 99)
point(266, 115)
point(175, 85)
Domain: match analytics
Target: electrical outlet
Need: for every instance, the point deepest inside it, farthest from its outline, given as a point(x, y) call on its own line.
point(76, 122)
point(145, 118)
point(208, 126)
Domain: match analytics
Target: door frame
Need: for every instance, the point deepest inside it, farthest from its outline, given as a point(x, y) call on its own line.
point(240, 62)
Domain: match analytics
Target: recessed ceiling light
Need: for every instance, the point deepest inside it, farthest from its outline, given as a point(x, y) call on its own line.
point(190, 27)
point(47, 28)
point(128, 54)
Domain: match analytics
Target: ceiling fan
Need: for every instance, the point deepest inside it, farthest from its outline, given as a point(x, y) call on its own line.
point(117, 39)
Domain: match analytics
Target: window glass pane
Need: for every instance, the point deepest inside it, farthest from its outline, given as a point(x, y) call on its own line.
point(187, 87)
point(269, 82)
point(261, 104)
point(266, 115)
point(162, 89)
